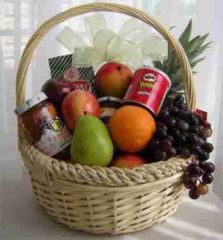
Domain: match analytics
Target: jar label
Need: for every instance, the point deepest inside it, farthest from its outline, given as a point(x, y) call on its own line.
point(55, 136)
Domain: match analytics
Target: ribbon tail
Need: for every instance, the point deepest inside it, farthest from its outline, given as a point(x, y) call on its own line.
point(69, 39)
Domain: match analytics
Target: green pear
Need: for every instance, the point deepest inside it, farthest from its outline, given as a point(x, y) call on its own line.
point(91, 143)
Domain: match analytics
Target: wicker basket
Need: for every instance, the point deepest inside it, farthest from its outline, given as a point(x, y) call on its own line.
point(101, 199)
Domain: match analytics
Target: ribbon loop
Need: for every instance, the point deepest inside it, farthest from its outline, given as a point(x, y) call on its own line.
point(132, 44)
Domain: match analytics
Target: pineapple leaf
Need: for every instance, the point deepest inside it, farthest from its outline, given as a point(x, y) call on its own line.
point(189, 46)
point(196, 43)
point(185, 36)
point(196, 61)
point(194, 48)
point(193, 55)
point(159, 65)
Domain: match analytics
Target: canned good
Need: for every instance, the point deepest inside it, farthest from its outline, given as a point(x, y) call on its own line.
point(108, 105)
point(43, 126)
point(148, 88)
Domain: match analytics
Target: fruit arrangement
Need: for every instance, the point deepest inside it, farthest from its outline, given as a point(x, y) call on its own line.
point(130, 121)
point(114, 128)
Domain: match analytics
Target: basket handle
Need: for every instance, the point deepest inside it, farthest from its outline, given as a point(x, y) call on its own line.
point(95, 7)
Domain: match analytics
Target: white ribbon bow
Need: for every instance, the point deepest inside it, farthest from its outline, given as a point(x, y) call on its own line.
point(133, 44)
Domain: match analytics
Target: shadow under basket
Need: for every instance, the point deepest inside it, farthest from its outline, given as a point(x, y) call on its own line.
point(101, 199)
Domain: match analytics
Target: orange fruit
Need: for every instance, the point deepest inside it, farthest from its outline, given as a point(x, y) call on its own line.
point(131, 128)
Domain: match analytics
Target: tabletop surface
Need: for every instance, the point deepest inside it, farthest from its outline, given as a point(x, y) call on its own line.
point(22, 218)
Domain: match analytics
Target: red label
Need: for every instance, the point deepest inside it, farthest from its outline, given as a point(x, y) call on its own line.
point(71, 74)
point(148, 88)
point(82, 85)
point(202, 115)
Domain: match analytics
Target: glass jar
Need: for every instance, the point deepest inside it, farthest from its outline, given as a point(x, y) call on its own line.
point(45, 129)
point(108, 105)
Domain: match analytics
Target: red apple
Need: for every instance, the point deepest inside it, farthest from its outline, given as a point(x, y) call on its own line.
point(57, 89)
point(128, 161)
point(113, 79)
point(78, 103)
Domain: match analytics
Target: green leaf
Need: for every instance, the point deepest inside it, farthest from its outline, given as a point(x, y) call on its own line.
point(196, 43)
point(185, 36)
point(158, 65)
point(192, 56)
point(192, 43)
point(196, 61)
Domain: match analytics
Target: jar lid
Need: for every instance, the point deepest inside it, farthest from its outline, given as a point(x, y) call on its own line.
point(31, 102)
point(109, 99)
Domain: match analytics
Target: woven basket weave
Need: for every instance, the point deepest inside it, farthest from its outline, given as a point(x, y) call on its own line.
point(101, 199)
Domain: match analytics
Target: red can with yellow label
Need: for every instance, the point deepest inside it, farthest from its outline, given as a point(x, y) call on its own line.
point(148, 88)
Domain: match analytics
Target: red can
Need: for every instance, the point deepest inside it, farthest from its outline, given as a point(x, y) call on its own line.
point(148, 88)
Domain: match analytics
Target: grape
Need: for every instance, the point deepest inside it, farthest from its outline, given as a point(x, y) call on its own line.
point(168, 102)
point(165, 144)
point(207, 178)
point(171, 152)
point(209, 132)
point(160, 156)
point(185, 153)
point(194, 129)
point(175, 111)
point(164, 114)
point(180, 140)
point(193, 120)
point(203, 156)
point(192, 138)
point(208, 147)
point(201, 165)
point(208, 167)
point(188, 181)
point(208, 125)
point(194, 194)
point(179, 98)
point(161, 133)
point(154, 144)
point(185, 114)
point(203, 134)
point(178, 149)
point(201, 127)
point(196, 149)
point(180, 105)
point(161, 125)
point(174, 132)
point(171, 122)
point(185, 134)
point(202, 189)
point(200, 141)
point(182, 125)
point(170, 138)
point(194, 170)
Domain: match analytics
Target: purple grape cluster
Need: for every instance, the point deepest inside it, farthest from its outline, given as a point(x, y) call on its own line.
point(183, 133)
point(196, 177)
point(180, 132)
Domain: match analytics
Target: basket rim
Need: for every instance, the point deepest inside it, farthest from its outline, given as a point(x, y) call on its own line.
point(44, 167)
point(114, 189)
